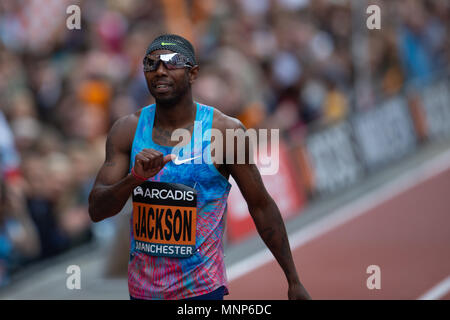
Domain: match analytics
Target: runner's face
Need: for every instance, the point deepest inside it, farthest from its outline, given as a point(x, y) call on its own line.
point(169, 85)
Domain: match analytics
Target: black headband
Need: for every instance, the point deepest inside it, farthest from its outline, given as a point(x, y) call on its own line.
point(173, 43)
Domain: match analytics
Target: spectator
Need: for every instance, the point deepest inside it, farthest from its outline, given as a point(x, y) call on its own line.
point(19, 242)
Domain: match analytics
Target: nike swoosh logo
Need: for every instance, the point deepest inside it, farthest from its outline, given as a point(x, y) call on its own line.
point(178, 161)
point(168, 44)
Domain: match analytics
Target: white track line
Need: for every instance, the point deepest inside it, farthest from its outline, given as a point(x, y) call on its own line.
point(406, 181)
point(437, 291)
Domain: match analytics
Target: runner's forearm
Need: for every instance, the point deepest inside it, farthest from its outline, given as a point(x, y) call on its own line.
point(271, 228)
point(107, 200)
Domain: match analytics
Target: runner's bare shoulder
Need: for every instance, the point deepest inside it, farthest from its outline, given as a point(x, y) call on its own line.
point(222, 122)
point(123, 130)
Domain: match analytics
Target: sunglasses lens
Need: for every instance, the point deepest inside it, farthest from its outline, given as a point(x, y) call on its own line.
point(150, 63)
point(171, 61)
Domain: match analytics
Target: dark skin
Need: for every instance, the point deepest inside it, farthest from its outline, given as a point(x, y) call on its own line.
point(175, 108)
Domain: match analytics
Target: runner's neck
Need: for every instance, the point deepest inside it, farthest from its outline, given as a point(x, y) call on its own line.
point(175, 116)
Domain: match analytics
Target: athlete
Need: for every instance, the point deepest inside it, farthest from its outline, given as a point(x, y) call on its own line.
point(179, 190)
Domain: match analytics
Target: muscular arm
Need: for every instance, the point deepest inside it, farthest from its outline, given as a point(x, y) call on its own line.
point(113, 184)
point(266, 215)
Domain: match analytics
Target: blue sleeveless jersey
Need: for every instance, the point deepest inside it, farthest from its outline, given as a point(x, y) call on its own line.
point(154, 274)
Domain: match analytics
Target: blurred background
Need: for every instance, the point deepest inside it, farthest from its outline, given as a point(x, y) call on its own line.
point(349, 103)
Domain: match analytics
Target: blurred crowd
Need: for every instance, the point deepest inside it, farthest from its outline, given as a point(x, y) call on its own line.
point(287, 64)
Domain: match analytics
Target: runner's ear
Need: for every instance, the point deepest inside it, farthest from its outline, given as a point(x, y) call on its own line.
point(193, 73)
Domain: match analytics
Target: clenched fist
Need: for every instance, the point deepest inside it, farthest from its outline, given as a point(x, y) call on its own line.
point(149, 162)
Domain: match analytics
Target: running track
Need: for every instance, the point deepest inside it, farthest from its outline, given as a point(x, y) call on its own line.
point(404, 228)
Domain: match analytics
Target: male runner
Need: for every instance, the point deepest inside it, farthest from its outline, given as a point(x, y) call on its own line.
point(179, 193)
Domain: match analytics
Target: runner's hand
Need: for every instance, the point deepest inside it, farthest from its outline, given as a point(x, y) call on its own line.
point(298, 292)
point(149, 162)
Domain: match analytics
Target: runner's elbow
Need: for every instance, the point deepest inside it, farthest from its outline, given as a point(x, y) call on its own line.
point(93, 214)
point(93, 210)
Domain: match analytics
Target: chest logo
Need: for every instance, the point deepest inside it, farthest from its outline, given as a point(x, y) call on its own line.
point(177, 161)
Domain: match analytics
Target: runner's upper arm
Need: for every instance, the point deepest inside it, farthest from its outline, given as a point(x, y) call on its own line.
point(246, 175)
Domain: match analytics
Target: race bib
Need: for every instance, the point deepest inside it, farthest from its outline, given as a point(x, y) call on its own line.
point(164, 219)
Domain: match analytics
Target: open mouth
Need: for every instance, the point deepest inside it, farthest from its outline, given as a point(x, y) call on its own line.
point(162, 87)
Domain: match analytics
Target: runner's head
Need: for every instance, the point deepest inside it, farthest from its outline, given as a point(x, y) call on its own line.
point(170, 68)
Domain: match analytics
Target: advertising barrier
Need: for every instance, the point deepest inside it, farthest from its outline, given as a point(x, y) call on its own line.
point(333, 159)
point(436, 105)
point(342, 155)
point(385, 133)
